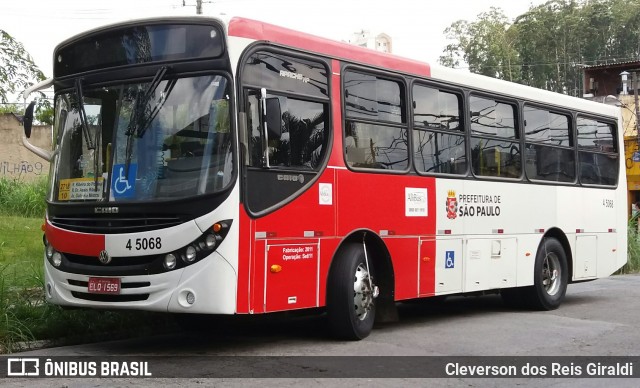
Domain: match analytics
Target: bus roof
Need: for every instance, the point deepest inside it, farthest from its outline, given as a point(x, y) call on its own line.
point(261, 31)
point(253, 29)
point(258, 30)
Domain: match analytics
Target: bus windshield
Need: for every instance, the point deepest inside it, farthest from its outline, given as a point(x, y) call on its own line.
point(163, 139)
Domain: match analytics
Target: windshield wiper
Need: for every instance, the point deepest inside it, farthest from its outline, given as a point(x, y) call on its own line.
point(139, 119)
point(91, 144)
point(83, 115)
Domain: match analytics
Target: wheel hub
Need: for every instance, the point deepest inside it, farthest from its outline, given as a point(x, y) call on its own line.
point(551, 274)
point(363, 292)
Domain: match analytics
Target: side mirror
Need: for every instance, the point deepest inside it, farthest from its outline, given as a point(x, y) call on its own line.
point(28, 119)
point(274, 117)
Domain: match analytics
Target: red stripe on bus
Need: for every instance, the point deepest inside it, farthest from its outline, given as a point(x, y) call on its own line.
point(252, 29)
point(244, 259)
point(76, 243)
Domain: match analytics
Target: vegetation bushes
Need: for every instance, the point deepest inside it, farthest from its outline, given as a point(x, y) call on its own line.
point(23, 199)
point(24, 314)
point(633, 246)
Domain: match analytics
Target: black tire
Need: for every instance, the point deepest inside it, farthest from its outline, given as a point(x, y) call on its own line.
point(550, 277)
point(351, 314)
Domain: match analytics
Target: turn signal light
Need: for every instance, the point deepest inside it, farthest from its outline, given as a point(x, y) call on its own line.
point(275, 268)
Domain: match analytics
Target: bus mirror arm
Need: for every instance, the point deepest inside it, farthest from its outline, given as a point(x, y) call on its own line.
point(44, 154)
point(28, 119)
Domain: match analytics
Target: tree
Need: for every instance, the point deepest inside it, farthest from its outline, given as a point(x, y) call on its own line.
point(9, 108)
point(549, 44)
point(17, 69)
point(17, 73)
point(486, 45)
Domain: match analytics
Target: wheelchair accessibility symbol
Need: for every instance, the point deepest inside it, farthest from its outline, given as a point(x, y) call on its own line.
point(123, 186)
point(449, 259)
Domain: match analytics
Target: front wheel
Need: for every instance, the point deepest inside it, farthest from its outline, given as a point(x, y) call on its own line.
point(550, 276)
point(350, 294)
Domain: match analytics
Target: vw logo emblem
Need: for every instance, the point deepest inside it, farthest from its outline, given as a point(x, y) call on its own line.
point(104, 257)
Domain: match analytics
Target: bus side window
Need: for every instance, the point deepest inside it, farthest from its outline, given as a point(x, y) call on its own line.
point(301, 141)
point(495, 149)
point(376, 122)
point(438, 136)
point(598, 153)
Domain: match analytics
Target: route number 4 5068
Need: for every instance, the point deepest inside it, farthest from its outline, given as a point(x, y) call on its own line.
point(142, 244)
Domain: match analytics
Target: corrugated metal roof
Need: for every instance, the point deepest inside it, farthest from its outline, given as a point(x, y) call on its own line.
point(627, 64)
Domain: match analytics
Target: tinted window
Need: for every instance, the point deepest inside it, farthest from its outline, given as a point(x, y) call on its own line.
point(543, 126)
point(595, 135)
point(376, 146)
point(548, 153)
point(301, 140)
point(438, 144)
point(142, 44)
point(372, 98)
point(598, 169)
point(495, 158)
point(436, 109)
point(286, 74)
point(490, 117)
point(375, 126)
point(437, 152)
point(598, 152)
point(550, 163)
point(491, 157)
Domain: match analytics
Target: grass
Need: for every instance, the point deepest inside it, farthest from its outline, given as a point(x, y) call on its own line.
point(633, 246)
point(25, 199)
point(24, 314)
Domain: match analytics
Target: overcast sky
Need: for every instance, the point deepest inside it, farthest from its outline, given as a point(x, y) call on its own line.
point(416, 27)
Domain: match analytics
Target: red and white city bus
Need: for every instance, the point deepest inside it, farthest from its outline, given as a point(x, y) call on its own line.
point(235, 167)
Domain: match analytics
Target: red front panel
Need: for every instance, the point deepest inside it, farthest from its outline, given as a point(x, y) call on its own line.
point(66, 241)
point(245, 255)
point(292, 273)
point(257, 276)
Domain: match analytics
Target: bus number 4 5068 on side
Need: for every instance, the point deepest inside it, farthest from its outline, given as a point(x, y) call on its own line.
point(144, 243)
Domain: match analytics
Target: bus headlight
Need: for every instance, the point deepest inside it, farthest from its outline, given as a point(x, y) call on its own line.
point(189, 254)
point(56, 259)
point(197, 249)
point(49, 251)
point(170, 261)
point(210, 241)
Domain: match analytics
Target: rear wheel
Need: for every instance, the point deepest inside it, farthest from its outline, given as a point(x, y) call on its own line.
point(350, 294)
point(550, 276)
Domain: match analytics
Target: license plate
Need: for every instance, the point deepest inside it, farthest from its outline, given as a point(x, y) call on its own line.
point(104, 286)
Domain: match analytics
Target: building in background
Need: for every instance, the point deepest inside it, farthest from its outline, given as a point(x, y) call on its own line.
point(375, 41)
point(613, 84)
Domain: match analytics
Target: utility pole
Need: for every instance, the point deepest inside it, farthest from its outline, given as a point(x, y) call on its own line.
point(198, 7)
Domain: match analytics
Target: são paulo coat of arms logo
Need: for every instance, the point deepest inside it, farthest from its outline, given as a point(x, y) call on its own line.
point(452, 205)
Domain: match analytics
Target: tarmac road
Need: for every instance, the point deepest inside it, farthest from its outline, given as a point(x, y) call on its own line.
point(598, 319)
